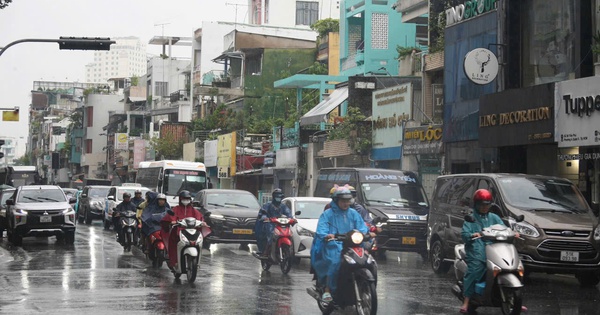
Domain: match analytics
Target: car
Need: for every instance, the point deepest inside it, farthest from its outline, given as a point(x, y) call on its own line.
point(5, 193)
point(91, 203)
point(70, 192)
point(230, 213)
point(560, 233)
point(115, 197)
point(40, 210)
point(307, 211)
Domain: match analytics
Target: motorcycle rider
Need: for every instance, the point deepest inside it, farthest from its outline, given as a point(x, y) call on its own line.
point(331, 191)
point(474, 246)
point(325, 256)
point(124, 206)
point(137, 198)
point(273, 209)
point(153, 214)
point(183, 210)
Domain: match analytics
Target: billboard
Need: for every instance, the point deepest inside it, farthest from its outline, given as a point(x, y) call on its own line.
point(226, 155)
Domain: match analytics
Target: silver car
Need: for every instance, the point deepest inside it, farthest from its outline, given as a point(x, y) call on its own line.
point(307, 211)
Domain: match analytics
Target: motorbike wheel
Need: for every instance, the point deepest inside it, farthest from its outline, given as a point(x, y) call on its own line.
point(157, 260)
point(438, 264)
point(326, 308)
point(80, 217)
point(88, 218)
point(128, 241)
point(106, 225)
point(368, 296)
point(513, 302)
point(265, 264)
point(286, 259)
point(191, 266)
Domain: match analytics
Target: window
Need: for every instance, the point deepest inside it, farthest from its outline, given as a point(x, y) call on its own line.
point(161, 89)
point(90, 116)
point(88, 145)
point(307, 13)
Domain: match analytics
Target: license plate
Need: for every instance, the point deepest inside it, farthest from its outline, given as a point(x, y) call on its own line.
point(409, 240)
point(242, 231)
point(45, 219)
point(569, 256)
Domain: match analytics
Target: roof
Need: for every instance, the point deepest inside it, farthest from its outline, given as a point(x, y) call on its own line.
point(318, 114)
point(34, 187)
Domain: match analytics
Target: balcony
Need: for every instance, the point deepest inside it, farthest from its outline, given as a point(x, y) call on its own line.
point(180, 95)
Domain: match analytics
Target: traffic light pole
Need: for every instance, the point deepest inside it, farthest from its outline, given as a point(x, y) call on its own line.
point(74, 43)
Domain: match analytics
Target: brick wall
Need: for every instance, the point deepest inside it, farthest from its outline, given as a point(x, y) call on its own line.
point(335, 148)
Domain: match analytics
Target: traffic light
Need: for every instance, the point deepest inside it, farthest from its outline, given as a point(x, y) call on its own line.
point(85, 43)
point(2, 142)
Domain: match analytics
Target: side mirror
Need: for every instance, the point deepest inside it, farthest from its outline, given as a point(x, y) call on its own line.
point(111, 198)
point(83, 195)
point(298, 212)
point(72, 200)
point(207, 214)
point(469, 218)
point(210, 185)
point(170, 212)
point(10, 202)
point(596, 208)
point(520, 218)
point(196, 204)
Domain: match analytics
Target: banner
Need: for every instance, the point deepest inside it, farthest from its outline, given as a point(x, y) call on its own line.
point(121, 141)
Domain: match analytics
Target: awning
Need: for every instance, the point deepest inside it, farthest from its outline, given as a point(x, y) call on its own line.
point(319, 113)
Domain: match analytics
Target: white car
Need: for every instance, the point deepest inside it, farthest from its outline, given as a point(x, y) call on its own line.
point(115, 197)
point(307, 211)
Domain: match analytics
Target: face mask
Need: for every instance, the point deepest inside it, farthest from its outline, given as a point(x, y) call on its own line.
point(277, 199)
point(185, 202)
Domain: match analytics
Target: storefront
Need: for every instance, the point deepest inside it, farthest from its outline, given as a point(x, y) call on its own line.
point(424, 145)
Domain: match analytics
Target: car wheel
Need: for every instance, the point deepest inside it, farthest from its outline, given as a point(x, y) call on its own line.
point(70, 238)
point(587, 279)
point(438, 264)
point(88, 218)
point(80, 216)
point(106, 225)
point(17, 240)
point(1, 232)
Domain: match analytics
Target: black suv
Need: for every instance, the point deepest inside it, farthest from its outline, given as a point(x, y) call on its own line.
point(41, 210)
point(232, 215)
point(91, 203)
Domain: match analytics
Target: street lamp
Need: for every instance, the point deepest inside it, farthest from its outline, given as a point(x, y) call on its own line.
point(73, 43)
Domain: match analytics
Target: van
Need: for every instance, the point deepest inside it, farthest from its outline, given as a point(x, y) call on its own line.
point(392, 194)
point(559, 233)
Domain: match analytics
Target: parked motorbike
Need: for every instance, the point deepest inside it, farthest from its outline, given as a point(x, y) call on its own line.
point(128, 222)
point(357, 280)
point(504, 276)
point(189, 248)
point(280, 250)
point(157, 251)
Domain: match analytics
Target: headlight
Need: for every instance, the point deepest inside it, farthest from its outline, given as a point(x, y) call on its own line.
point(525, 228)
point(20, 212)
point(183, 238)
point(66, 211)
point(349, 259)
point(217, 217)
point(305, 232)
point(597, 233)
point(357, 238)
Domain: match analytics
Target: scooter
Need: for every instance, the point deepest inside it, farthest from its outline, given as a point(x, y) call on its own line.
point(157, 250)
point(504, 275)
point(357, 280)
point(189, 248)
point(280, 251)
point(128, 222)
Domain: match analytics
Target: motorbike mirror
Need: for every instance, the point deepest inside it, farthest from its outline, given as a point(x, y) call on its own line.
point(207, 214)
point(520, 218)
point(495, 209)
point(469, 218)
point(196, 203)
point(111, 198)
point(298, 212)
point(72, 200)
point(170, 212)
point(10, 202)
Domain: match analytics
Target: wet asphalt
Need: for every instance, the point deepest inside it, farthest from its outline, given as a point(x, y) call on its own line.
point(95, 276)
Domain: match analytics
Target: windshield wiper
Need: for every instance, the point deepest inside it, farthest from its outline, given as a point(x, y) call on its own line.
point(49, 199)
point(379, 201)
point(552, 202)
point(214, 204)
point(236, 204)
point(29, 198)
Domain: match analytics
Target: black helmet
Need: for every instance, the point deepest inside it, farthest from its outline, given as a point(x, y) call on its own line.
point(126, 195)
point(185, 194)
point(277, 192)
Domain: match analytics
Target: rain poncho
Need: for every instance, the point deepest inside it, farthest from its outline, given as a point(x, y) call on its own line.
point(475, 249)
point(180, 212)
point(153, 214)
point(325, 256)
point(264, 230)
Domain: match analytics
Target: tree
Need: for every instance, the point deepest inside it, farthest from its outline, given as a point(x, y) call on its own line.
point(4, 3)
point(355, 130)
point(168, 147)
point(325, 26)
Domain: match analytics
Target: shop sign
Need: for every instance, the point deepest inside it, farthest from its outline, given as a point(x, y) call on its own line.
point(579, 156)
point(423, 140)
point(469, 9)
point(210, 153)
point(391, 107)
point(515, 117)
point(438, 101)
point(577, 113)
point(121, 141)
point(481, 66)
point(226, 154)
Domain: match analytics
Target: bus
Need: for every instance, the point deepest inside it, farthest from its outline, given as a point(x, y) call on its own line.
point(19, 175)
point(171, 177)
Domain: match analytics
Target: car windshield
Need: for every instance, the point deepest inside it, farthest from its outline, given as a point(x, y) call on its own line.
point(131, 191)
point(542, 194)
point(310, 209)
point(177, 180)
point(232, 200)
point(41, 195)
point(5, 195)
point(392, 194)
point(98, 192)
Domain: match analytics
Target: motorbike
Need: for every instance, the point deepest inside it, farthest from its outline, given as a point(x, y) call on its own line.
point(157, 252)
point(504, 276)
point(189, 248)
point(357, 280)
point(128, 222)
point(280, 250)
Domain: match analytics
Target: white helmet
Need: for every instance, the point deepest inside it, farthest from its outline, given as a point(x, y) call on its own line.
point(161, 196)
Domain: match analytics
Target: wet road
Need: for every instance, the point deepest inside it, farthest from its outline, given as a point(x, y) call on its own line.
point(95, 277)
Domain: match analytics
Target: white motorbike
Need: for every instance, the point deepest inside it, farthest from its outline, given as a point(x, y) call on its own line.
point(189, 248)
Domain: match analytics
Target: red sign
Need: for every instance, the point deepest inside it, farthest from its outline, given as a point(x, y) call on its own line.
point(192, 173)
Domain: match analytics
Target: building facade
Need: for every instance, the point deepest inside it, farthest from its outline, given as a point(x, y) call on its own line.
point(125, 59)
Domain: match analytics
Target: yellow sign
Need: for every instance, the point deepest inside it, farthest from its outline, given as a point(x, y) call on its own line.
point(226, 152)
point(121, 141)
point(10, 116)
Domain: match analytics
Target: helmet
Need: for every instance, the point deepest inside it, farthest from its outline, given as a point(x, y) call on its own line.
point(126, 195)
point(137, 191)
point(185, 194)
point(277, 193)
point(332, 190)
point(161, 196)
point(352, 191)
point(482, 196)
point(342, 193)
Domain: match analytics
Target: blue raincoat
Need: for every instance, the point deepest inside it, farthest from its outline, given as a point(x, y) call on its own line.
point(264, 230)
point(153, 214)
point(325, 256)
point(475, 249)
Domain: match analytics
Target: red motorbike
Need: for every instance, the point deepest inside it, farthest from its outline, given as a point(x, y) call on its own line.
point(157, 250)
point(280, 250)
